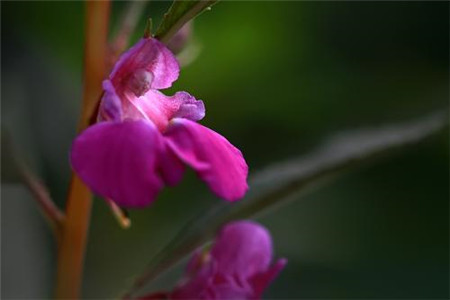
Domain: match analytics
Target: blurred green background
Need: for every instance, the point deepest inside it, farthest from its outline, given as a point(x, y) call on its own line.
point(277, 78)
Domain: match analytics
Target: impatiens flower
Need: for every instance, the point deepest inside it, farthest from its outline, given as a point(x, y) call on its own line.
point(144, 139)
point(238, 266)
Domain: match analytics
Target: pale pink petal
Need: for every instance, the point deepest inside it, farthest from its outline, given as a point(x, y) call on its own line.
point(181, 38)
point(243, 249)
point(151, 55)
point(156, 107)
point(190, 107)
point(118, 160)
point(159, 108)
point(215, 160)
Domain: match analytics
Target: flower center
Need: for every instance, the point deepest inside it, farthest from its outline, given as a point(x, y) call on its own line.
point(140, 81)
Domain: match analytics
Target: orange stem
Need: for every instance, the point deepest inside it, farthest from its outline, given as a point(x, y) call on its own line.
point(72, 246)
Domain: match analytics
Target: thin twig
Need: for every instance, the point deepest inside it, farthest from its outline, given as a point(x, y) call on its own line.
point(55, 216)
point(40, 193)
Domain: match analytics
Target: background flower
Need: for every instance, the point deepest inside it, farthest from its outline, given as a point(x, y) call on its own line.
point(238, 265)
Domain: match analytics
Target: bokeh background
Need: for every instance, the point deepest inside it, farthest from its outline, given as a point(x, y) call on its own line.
point(277, 78)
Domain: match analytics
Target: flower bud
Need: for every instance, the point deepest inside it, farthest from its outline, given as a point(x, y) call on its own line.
point(181, 38)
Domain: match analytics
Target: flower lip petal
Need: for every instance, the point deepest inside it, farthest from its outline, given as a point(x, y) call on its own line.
point(215, 160)
point(117, 160)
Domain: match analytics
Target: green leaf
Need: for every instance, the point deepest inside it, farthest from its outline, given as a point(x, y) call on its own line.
point(180, 12)
point(283, 182)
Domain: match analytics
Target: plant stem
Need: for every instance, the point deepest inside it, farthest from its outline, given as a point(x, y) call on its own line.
point(41, 195)
point(74, 236)
point(54, 216)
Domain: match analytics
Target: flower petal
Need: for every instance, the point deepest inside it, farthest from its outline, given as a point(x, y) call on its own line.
point(110, 106)
point(190, 107)
point(119, 160)
point(230, 291)
point(243, 248)
point(154, 296)
point(196, 286)
point(171, 168)
point(215, 160)
point(151, 55)
point(236, 267)
point(179, 41)
point(261, 281)
point(159, 108)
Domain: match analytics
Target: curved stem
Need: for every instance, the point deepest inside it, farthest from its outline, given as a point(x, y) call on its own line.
point(39, 191)
point(74, 236)
point(54, 216)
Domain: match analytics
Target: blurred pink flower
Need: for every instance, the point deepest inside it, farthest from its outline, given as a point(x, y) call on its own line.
point(144, 138)
point(237, 267)
point(178, 42)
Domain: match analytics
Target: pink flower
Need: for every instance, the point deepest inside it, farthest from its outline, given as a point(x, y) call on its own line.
point(237, 267)
point(178, 42)
point(144, 139)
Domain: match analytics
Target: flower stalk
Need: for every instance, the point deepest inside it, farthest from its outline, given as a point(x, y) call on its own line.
point(53, 214)
point(72, 246)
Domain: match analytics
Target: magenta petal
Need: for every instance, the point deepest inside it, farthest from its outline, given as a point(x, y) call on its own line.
point(154, 296)
point(171, 167)
point(229, 292)
point(215, 160)
point(195, 287)
point(236, 267)
point(118, 161)
point(151, 55)
point(243, 248)
point(262, 280)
